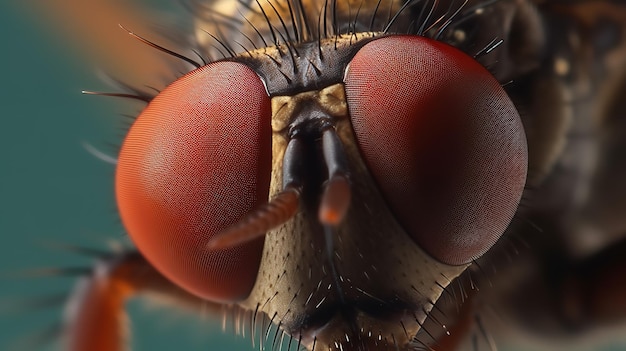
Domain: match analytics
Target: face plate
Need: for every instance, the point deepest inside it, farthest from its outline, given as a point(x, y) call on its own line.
point(377, 285)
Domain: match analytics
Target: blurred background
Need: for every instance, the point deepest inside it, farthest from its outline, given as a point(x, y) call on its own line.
point(54, 192)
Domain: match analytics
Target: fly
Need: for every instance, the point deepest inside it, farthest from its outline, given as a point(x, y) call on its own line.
point(339, 173)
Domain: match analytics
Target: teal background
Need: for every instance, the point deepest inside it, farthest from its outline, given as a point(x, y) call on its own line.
point(52, 191)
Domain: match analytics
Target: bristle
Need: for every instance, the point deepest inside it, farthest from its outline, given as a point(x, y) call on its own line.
point(269, 24)
point(99, 154)
point(120, 95)
point(424, 24)
point(223, 44)
point(159, 47)
point(288, 40)
point(304, 19)
point(449, 21)
point(397, 14)
point(297, 34)
point(492, 45)
point(256, 30)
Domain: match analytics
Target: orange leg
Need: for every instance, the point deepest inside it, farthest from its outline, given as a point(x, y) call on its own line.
point(96, 318)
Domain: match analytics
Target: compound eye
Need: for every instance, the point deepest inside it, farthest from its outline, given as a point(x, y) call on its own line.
point(195, 162)
point(443, 141)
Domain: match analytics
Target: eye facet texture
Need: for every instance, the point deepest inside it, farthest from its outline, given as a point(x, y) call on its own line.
point(195, 162)
point(442, 140)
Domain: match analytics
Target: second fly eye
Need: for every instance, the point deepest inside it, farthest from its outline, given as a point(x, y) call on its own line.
point(195, 162)
point(443, 141)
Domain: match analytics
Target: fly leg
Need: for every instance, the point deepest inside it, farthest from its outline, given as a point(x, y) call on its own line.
point(96, 320)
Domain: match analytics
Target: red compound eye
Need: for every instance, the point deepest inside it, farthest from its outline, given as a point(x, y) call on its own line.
point(195, 162)
point(443, 141)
